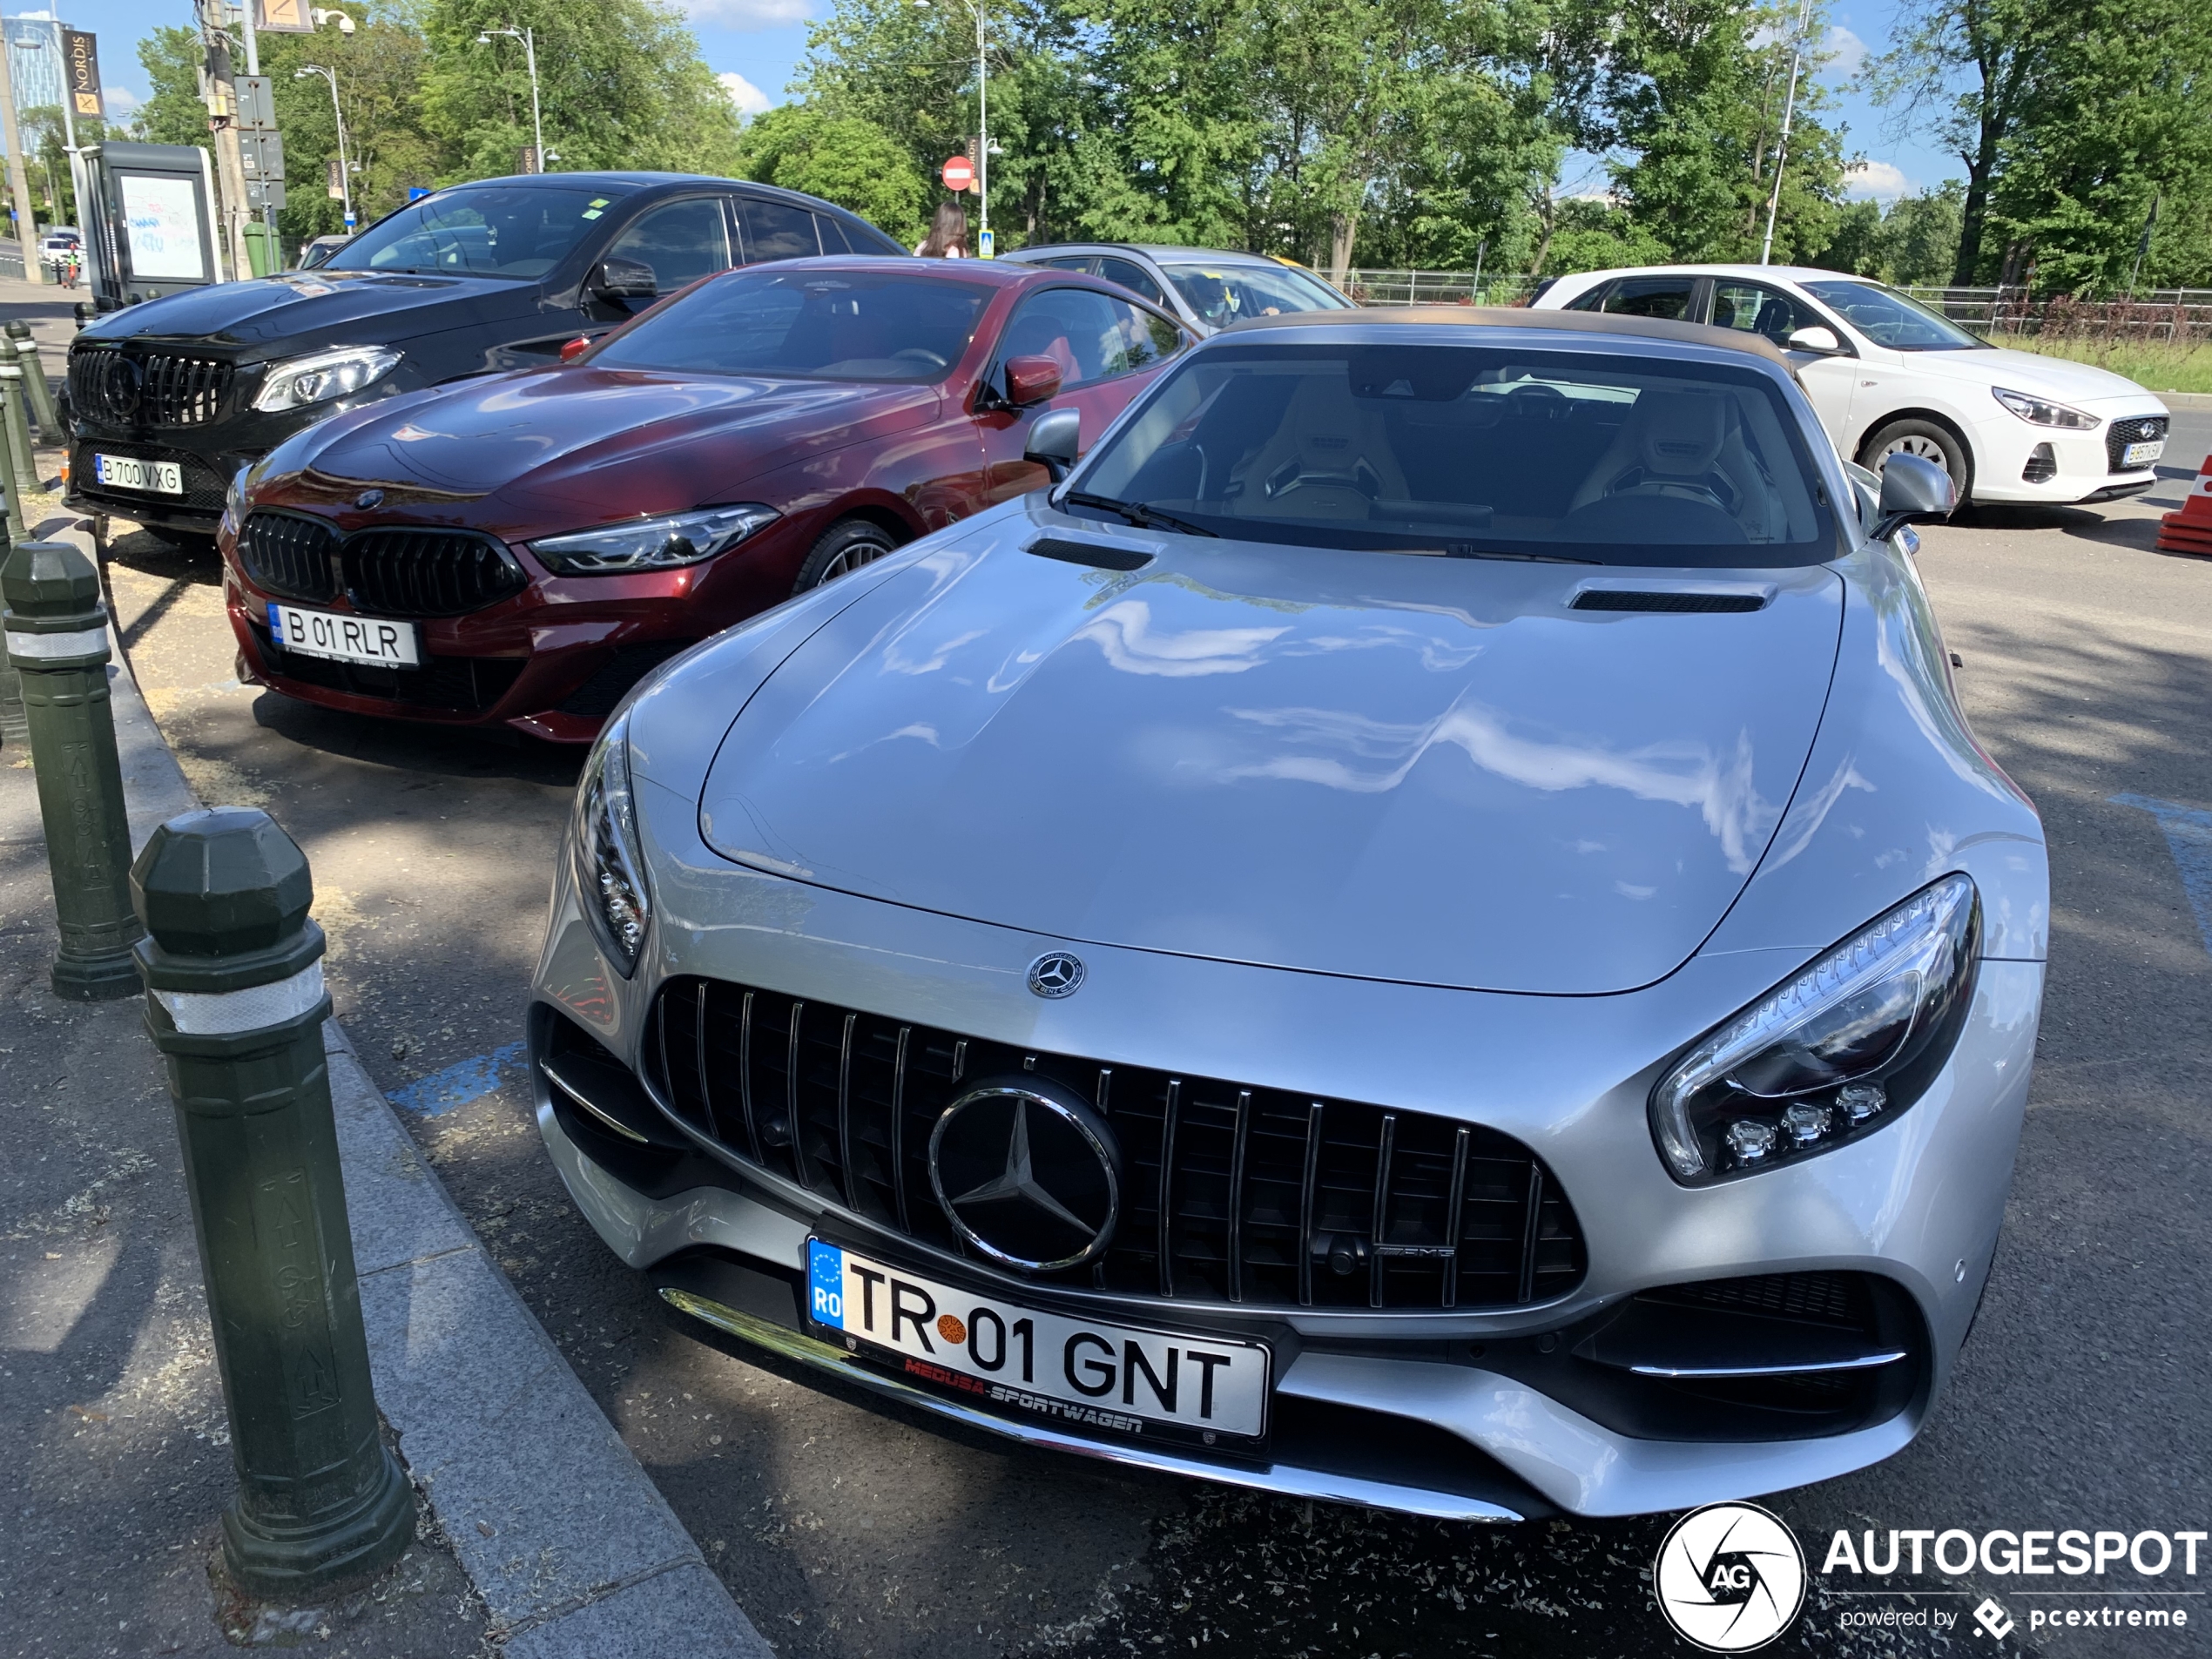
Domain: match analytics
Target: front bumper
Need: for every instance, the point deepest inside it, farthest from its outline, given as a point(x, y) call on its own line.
point(2017, 463)
point(1916, 1206)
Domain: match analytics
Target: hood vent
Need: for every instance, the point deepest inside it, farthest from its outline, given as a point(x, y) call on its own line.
point(1677, 602)
point(1091, 553)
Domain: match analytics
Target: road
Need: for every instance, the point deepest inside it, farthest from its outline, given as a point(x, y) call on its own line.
point(847, 1528)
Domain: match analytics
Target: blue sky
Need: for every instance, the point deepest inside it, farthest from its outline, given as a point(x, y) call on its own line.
point(756, 44)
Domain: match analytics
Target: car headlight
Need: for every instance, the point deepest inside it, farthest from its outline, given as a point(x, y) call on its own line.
point(2040, 411)
point(1836, 1051)
point(652, 544)
point(299, 382)
point(234, 501)
point(609, 866)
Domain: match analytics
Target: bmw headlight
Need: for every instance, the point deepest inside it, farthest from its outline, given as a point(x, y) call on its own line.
point(1832, 1055)
point(299, 382)
point(652, 544)
point(609, 866)
point(2040, 411)
point(234, 501)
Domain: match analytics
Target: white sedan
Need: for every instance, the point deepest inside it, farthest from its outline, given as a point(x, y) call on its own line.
point(1889, 376)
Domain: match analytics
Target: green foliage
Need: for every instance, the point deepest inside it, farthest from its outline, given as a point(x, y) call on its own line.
point(840, 158)
point(174, 114)
point(1913, 243)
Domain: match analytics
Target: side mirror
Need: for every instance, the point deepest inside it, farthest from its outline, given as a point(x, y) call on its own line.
point(1031, 379)
point(576, 348)
point(624, 279)
point(1913, 492)
point(1054, 438)
point(1817, 339)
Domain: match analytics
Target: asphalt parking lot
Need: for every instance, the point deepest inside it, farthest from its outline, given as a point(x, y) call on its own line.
point(847, 1528)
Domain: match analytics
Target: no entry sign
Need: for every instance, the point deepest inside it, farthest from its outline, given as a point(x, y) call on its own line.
point(959, 173)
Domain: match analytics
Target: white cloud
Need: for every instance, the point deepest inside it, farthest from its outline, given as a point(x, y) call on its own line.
point(1845, 51)
point(1878, 180)
point(749, 98)
point(747, 13)
point(120, 100)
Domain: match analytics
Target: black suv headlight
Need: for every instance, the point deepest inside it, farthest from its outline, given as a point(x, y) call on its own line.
point(609, 866)
point(1836, 1051)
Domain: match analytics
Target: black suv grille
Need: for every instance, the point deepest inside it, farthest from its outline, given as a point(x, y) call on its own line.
point(2120, 434)
point(384, 572)
point(1230, 1194)
point(148, 388)
point(426, 573)
point(289, 556)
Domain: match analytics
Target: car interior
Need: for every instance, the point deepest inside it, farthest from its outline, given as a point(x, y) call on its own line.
point(1452, 444)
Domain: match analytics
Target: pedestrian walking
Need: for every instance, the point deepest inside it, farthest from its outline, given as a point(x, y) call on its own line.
point(948, 238)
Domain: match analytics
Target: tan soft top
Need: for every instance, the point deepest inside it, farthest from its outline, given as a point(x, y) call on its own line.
point(1567, 322)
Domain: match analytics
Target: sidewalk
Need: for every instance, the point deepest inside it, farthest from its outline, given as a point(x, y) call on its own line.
point(539, 1536)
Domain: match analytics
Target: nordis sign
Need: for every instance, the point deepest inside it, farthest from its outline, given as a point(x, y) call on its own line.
point(1732, 1578)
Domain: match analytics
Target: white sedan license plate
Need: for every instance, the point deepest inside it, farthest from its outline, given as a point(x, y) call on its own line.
point(1084, 1374)
point(2141, 455)
point(346, 640)
point(127, 472)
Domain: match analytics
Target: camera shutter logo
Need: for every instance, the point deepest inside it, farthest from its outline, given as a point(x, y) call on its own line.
point(1730, 1577)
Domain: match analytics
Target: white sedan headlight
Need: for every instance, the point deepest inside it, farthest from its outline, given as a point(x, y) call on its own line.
point(652, 544)
point(2040, 411)
point(1834, 1053)
point(610, 867)
point(299, 382)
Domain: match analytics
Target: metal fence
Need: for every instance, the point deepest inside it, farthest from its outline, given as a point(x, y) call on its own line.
point(2163, 316)
point(1377, 287)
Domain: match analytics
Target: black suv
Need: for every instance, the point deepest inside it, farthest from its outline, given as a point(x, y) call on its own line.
point(170, 399)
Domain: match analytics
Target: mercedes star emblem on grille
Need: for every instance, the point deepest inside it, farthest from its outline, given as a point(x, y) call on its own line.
point(1027, 1174)
point(1055, 973)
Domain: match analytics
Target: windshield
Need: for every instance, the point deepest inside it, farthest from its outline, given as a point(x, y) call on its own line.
point(490, 230)
point(1894, 319)
point(1224, 294)
point(1475, 451)
point(807, 324)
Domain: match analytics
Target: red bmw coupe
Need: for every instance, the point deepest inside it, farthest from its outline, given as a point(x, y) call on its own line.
point(519, 550)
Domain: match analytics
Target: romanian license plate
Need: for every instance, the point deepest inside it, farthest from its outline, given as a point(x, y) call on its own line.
point(346, 640)
point(127, 472)
point(1084, 1374)
point(2141, 455)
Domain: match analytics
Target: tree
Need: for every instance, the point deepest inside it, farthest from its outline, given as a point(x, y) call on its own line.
point(840, 158)
point(175, 114)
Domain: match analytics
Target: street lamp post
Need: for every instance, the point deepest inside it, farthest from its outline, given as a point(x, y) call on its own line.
point(345, 177)
point(530, 57)
point(983, 131)
point(1782, 148)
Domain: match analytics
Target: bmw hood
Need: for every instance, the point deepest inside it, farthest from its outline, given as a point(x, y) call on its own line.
point(1398, 767)
point(308, 310)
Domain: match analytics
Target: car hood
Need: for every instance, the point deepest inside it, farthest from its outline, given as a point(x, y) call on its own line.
point(1365, 764)
point(564, 449)
point(310, 309)
point(2032, 372)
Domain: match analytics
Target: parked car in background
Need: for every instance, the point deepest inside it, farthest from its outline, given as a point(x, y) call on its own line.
point(318, 250)
point(520, 548)
point(1208, 289)
point(1891, 376)
point(58, 241)
point(170, 399)
point(1428, 931)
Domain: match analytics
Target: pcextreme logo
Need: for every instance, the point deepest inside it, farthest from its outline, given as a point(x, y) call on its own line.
point(1730, 1577)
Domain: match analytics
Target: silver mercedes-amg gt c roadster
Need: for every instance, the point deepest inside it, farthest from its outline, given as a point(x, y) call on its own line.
point(1423, 928)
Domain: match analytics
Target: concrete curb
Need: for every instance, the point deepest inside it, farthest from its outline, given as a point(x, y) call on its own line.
point(2190, 403)
point(575, 1551)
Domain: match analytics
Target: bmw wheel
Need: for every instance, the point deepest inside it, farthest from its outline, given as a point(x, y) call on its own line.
point(845, 547)
point(1926, 439)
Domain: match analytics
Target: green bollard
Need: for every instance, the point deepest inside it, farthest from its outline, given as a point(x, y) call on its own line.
point(57, 631)
point(34, 382)
point(14, 496)
point(12, 409)
point(235, 1002)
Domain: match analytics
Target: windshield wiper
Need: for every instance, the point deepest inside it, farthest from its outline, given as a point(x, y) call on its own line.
point(1137, 513)
point(1469, 551)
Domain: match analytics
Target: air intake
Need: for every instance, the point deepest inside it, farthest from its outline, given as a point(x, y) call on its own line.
point(1091, 553)
point(1675, 603)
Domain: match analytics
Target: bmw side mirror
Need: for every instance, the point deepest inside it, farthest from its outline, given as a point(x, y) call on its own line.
point(624, 279)
point(1053, 440)
point(1031, 379)
point(1914, 491)
point(1817, 339)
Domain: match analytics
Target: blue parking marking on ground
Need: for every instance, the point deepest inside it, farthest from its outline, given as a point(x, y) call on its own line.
point(440, 1092)
point(2189, 835)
